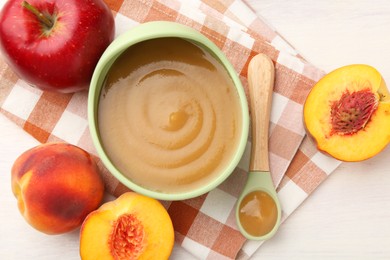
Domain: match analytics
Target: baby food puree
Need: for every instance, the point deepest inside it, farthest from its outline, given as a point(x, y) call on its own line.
point(169, 115)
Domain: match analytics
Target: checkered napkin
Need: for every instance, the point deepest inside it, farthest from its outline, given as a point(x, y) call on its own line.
point(205, 226)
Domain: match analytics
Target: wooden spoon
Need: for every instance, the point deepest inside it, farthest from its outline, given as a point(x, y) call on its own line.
point(250, 211)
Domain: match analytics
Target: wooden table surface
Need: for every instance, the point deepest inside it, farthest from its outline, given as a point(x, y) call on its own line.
point(346, 217)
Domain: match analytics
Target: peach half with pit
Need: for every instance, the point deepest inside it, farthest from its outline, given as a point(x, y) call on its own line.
point(347, 113)
point(132, 226)
point(57, 185)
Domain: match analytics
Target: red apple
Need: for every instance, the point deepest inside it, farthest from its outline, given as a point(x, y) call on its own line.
point(55, 44)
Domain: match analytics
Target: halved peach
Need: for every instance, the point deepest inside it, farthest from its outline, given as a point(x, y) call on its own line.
point(132, 226)
point(347, 113)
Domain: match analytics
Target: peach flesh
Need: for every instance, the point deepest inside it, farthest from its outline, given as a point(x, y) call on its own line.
point(347, 113)
point(132, 226)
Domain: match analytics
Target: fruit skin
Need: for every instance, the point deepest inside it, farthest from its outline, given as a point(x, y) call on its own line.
point(57, 185)
point(367, 141)
point(63, 58)
point(153, 226)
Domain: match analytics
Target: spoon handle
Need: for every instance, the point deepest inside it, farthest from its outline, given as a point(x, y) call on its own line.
point(261, 74)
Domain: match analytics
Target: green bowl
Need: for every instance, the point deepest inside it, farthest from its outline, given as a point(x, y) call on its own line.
point(147, 31)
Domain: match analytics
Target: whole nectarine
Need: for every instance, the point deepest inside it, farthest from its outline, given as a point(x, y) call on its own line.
point(57, 185)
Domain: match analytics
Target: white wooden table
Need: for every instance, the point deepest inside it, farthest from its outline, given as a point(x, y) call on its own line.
point(347, 217)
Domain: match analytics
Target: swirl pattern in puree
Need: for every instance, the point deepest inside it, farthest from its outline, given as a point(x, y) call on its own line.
point(169, 115)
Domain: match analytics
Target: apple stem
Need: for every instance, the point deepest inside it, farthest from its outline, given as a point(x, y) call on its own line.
point(47, 21)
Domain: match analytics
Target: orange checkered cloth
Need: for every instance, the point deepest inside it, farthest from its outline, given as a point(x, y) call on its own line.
point(205, 226)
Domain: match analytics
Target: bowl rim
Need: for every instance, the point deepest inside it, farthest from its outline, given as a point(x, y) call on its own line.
point(153, 30)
